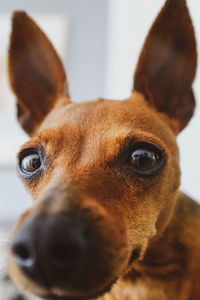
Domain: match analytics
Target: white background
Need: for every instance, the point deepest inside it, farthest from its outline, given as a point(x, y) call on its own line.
point(99, 41)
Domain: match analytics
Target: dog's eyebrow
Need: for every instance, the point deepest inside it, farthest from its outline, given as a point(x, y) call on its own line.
point(120, 143)
point(115, 140)
point(137, 134)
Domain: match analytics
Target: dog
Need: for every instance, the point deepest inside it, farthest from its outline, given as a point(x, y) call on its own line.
point(108, 221)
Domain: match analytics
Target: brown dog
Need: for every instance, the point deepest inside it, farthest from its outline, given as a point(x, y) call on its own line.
point(107, 220)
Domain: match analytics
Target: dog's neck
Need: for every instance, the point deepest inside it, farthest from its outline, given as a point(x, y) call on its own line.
point(167, 254)
point(168, 258)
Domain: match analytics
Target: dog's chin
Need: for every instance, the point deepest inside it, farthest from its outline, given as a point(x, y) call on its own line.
point(89, 296)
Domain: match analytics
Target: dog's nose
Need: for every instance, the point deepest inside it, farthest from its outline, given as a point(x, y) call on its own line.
point(47, 248)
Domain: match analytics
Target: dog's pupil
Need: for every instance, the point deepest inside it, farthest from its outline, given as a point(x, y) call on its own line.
point(31, 162)
point(142, 158)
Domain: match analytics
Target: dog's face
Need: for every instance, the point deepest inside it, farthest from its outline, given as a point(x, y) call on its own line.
point(103, 175)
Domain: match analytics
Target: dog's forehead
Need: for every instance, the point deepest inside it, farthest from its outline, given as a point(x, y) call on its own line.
point(102, 116)
point(104, 120)
point(98, 129)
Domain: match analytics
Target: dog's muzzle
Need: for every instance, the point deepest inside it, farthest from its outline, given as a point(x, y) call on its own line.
point(53, 249)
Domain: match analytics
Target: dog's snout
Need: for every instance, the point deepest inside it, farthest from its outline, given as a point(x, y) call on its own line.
point(50, 247)
point(67, 242)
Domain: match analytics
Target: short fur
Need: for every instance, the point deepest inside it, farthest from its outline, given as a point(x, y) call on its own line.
point(150, 232)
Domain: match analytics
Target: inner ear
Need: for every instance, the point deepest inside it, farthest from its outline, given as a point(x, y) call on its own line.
point(167, 63)
point(36, 73)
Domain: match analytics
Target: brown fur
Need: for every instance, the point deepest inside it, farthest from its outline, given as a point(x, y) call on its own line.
point(84, 174)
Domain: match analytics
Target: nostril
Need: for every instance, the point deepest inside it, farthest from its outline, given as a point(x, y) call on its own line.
point(22, 254)
point(21, 251)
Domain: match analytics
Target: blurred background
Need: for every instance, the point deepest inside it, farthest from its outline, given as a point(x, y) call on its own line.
point(99, 42)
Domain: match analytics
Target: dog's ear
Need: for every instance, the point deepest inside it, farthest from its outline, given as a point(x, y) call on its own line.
point(36, 73)
point(167, 63)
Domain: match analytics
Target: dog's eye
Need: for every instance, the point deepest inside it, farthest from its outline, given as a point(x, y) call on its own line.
point(30, 162)
point(146, 158)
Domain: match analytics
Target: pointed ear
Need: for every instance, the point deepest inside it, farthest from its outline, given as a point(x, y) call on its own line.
point(167, 63)
point(36, 73)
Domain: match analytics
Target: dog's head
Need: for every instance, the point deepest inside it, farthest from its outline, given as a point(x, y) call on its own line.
point(104, 175)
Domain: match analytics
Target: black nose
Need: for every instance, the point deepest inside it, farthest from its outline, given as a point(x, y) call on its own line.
point(50, 248)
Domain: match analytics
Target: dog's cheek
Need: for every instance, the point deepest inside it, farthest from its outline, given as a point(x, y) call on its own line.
point(170, 189)
point(149, 212)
